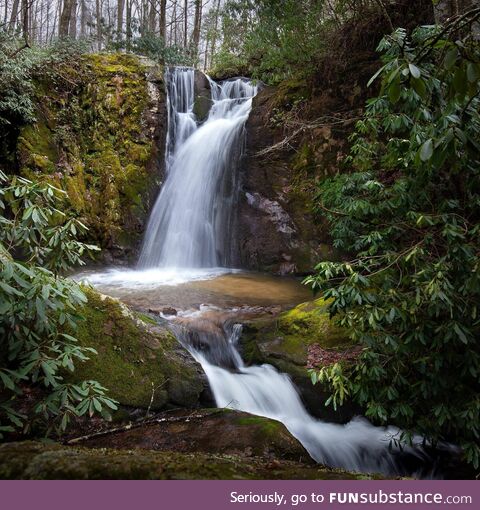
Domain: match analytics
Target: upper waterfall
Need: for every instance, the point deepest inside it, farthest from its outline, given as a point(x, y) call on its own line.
point(190, 224)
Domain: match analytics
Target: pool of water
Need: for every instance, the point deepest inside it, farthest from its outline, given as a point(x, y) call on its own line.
point(223, 288)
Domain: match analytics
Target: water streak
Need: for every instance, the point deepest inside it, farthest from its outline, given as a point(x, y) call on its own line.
point(190, 225)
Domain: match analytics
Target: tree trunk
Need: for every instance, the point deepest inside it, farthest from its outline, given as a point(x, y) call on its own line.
point(98, 14)
point(25, 20)
point(83, 18)
point(65, 18)
point(120, 9)
point(163, 20)
point(185, 25)
point(14, 15)
point(152, 16)
point(72, 31)
point(197, 23)
point(128, 26)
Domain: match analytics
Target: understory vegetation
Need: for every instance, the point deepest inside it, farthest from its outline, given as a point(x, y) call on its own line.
point(39, 311)
point(409, 214)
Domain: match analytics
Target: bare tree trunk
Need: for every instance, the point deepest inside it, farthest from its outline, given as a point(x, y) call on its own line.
point(65, 18)
point(163, 20)
point(120, 9)
point(72, 31)
point(98, 14)
point(14, 15)
point(5, 13)
point(128, 25)
point(152, 16)
point(185, 25)
point(83, 18)
point(175, 23)
point(26, 4)
point(197, 23)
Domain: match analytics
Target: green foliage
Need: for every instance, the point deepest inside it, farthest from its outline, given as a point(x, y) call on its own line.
point(270, 39)
point(19, 66)
point(38, 308)
point(410, 215)
point(154, 47)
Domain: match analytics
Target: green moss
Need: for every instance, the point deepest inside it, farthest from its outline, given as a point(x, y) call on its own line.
point(292, 90)
point(284, 341)
point(29, 460)
point(93, 142)
point(136, 363)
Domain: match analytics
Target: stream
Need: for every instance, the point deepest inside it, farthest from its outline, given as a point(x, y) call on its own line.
point(184, 264)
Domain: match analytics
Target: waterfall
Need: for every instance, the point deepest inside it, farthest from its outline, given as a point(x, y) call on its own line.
point(191, 222)
point(263, 391)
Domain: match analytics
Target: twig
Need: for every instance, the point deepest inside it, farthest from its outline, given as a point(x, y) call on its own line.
point(131, 426)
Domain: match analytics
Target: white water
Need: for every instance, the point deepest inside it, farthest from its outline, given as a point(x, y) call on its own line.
point(263, 391)
point(192, 217)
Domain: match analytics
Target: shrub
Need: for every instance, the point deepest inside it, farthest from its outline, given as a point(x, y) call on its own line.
point(409, 213)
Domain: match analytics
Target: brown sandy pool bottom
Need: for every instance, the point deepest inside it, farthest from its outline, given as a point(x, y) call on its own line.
point(151, 290)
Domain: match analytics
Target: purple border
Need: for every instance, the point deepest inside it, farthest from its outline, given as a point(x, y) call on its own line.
point(216, 495)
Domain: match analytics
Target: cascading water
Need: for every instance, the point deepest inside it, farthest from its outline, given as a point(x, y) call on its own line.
point(263, 391)
point(191, 220)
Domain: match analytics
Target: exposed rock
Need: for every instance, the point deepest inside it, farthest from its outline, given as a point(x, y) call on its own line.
point(276, 230)
point(141, 364)
point(209, 431)
point(168, 310)
point(203, 97)
point(102, 142)
point(39, 461)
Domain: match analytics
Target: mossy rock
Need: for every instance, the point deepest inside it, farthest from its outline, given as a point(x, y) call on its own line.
point(37, 461)
point(141, 365)
point(209, 431)
point(287, 337)
point(201, 107)
point(98, 138)
point(283, 342)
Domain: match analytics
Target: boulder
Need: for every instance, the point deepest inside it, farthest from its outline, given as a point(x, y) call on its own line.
point(39, 461)
point(218, 431)
point(284, 342)
point(140, 363)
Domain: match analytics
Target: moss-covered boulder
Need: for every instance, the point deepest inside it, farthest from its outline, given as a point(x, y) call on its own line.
point(284, 342)
point(208, 431)
point(142, 365)
point(100, 136)
point(37, 461)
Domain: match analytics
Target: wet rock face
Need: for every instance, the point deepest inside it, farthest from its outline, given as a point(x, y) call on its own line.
point(276, 229)
point(203, 96)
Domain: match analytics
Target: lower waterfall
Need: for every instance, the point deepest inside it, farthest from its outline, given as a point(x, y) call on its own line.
point(263, 391)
